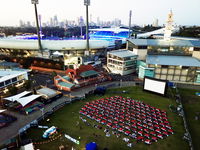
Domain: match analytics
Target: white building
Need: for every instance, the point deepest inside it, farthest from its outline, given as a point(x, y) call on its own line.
point(10, 77)
point(121, 61)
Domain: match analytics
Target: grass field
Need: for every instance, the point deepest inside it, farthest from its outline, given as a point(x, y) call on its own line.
point(191, 104)
point(66, 120)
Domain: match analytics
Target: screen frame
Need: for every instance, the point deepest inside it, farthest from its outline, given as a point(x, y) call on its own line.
point(166, 85)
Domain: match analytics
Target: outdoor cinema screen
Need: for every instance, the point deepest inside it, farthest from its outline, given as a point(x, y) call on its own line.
point(154, 85)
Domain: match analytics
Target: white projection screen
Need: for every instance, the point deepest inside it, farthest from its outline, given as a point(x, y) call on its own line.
point(155, 85)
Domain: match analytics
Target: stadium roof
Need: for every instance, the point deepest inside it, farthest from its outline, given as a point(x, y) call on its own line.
point(173, 60)
point(52, 44)
point(122, 53)
point(115, 30)
point(88, 73)
point(161, 42)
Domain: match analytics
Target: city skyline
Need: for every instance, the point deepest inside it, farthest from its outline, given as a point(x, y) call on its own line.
point(105, 10)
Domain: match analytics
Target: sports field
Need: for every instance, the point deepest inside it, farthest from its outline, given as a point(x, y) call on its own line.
point(67, 120)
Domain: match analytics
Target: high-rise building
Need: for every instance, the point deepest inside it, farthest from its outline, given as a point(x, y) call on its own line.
point(155, 23)
point(55, 21)
point(21, 23)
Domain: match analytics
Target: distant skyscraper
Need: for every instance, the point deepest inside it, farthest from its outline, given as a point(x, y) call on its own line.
point(28, 24)
point(155, 23)
point(21, 23)
point(51, 22)
point(98, 21)
point(90, 18)
point(40, 24)
point(55, 20)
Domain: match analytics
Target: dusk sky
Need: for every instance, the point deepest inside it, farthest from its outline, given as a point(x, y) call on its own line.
point(186, 12)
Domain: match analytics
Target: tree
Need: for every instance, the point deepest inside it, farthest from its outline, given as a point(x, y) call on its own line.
point(27, 84)
point(12, 90)
point(53, 74)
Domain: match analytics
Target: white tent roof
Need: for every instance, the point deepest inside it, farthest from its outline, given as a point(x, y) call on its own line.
point(18, 96)
point(2, 110)
point(28, 147)
point(25, 100)
point(57, 53)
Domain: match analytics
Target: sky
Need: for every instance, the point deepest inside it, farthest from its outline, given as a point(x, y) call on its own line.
point(186, 12)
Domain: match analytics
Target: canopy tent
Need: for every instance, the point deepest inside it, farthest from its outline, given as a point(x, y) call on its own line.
point(27, 147)
point(57, 53)
point(26, 100)
point(91, 146)
point(18, 96)
point(2, 110)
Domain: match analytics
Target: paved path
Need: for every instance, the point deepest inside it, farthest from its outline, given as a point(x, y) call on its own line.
point(22, 120)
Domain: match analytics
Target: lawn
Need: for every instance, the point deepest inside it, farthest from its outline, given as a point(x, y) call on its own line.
point(191, 104)
point(66, 120)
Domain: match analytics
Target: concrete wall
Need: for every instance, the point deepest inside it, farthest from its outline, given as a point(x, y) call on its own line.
point(142, 53)
point(196, 54)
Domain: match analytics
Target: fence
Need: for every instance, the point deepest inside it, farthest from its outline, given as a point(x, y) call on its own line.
point(179, 100)
point(45, 115)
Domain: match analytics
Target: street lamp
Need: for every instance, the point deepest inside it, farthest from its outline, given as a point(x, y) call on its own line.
point(35, 2)
point(87, 3)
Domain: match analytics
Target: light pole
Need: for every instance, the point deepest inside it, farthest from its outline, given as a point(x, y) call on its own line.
point(87, 3)
point(35, 2)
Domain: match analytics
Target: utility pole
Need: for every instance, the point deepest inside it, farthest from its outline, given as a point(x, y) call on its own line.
point(35, 2)
point(87, 3)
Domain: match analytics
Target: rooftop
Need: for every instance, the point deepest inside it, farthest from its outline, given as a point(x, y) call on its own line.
point(6, 74)
point(52, 44)
point(47, 92)
point(122, 53)
point(88, 73)
point(161, 42)
point(65, 84)
point(66, 78)
point(8, 64)
point(173, 60)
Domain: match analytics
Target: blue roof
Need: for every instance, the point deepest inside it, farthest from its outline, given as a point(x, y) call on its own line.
point(66, 78)
point(158, 42)
point(88, 73)
point(173, 60)
point(65, 84)
point(5, 63)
